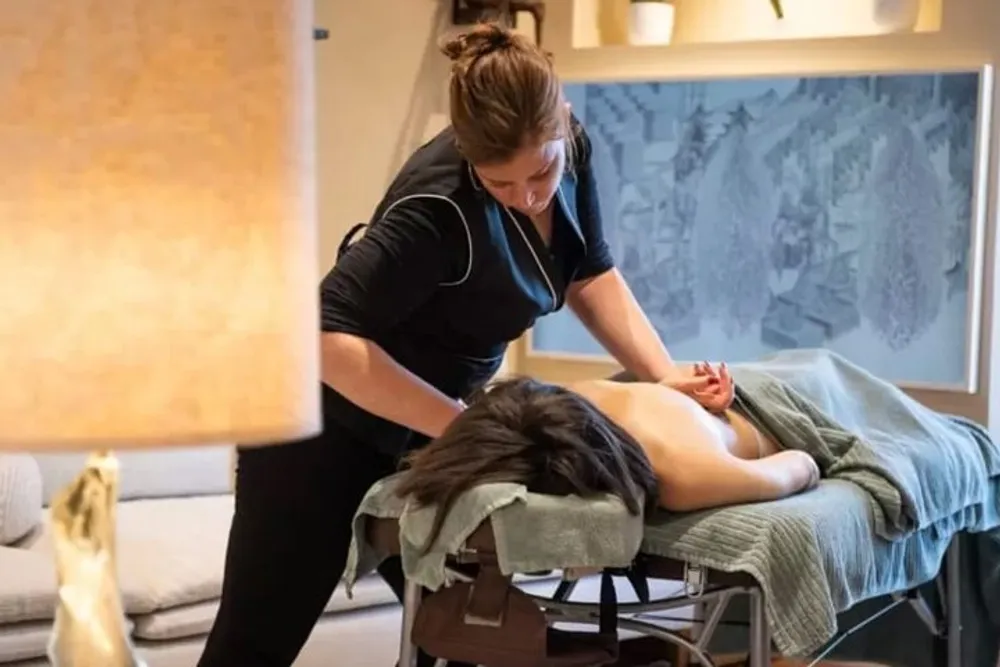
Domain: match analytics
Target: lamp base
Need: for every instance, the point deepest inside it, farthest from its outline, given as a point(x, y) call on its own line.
point(90, 628)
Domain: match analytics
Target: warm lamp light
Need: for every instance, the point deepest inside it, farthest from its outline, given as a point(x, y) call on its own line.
point(158, 256)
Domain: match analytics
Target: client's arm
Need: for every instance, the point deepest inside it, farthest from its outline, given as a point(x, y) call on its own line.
point(689, 449)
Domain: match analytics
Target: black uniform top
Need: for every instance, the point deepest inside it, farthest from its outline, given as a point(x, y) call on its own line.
point(445, 276)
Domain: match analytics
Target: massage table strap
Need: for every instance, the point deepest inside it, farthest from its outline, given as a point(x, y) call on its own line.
point(637, 575)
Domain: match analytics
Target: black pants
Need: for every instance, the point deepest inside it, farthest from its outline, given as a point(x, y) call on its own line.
point(288, 546)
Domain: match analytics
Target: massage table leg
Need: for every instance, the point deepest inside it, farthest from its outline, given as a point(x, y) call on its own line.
point(760, 635)
point(953, 604)
point(411, 602)
point(564, 590)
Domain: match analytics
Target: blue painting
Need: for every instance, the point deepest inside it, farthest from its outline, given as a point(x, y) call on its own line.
point(755, 215)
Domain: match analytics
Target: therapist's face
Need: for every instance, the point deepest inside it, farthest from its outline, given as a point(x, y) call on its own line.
point(529, 180)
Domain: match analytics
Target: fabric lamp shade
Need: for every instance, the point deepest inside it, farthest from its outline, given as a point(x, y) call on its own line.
point(158, 260)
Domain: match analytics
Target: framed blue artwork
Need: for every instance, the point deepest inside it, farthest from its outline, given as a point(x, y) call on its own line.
point(753, 215)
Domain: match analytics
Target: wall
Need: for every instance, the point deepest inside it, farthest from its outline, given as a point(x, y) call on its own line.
point(380, 87)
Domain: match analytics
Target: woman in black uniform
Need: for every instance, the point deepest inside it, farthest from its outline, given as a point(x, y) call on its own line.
point(490, 225)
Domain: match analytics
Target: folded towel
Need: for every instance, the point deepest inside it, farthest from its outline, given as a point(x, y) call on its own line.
point(533, 532)
point(918, 465)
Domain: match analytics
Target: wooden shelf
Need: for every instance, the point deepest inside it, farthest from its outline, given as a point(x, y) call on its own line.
point(604, 23)
point(836, 57)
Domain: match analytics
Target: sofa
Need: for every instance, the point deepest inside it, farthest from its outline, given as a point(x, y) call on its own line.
point(173, 522)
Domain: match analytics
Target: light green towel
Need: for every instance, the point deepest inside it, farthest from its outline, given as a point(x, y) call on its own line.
point(533, 532)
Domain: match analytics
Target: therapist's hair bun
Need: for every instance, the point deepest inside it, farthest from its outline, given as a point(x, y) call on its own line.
point(478, 42)
point(504, 94)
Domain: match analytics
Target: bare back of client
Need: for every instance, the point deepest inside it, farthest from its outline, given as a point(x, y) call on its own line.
point(701, 460)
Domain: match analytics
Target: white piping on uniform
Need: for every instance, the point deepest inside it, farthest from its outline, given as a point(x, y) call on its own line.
point(538, 262)
point(485, 360)
point(461, 216)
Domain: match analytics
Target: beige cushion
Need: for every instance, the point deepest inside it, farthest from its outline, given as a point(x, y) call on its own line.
point(196, 620)
point(171, 551)
point(27, 586)
point(157, 473)
point(20, 497)
point(24, 641)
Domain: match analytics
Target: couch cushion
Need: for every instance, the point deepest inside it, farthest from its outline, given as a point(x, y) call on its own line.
point(196, 620)
point(24, 641)
point(150, 474)
point(27, 586)
point(171, 551)
point(20, 497)
point(28, 641)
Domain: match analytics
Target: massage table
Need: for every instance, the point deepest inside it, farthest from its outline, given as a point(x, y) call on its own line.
point(485, 618)
point(901, 485)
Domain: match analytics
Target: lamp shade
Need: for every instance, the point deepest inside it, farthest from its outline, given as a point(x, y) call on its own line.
point(158, 278)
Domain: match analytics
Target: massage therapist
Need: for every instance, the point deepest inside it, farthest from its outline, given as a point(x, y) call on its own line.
point(492, 224)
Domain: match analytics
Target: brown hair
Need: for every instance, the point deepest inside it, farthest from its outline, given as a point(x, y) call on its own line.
point(550, 439)
point(503, 93)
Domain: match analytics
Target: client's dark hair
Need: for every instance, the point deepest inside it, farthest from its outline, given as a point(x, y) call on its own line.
point(546, 437)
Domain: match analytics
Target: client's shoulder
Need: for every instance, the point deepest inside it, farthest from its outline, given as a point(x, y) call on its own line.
point(611, 398)
point(587, 387)
point(613, 386)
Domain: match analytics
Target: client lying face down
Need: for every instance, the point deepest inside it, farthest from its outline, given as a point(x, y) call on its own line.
point(645, 443)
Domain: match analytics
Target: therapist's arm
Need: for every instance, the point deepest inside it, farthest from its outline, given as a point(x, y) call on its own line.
point(398, 264)
point(367, 376)
point(607, 308)
point(599, 296)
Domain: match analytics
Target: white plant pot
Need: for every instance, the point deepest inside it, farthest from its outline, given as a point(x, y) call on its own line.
point(896, 15)
point(650, 23)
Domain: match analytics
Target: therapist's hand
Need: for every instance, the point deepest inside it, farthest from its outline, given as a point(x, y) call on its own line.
point(719, 395)
point(712, 388)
